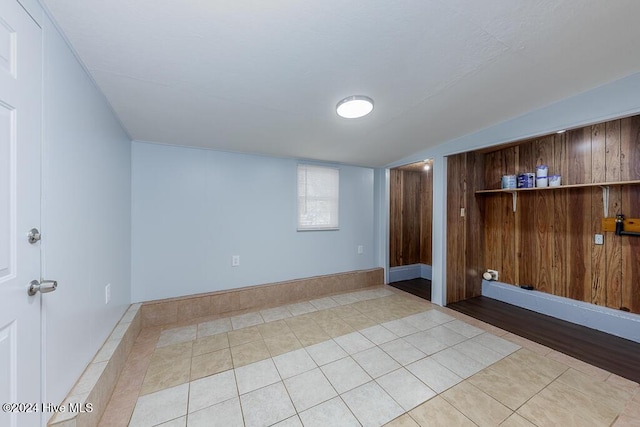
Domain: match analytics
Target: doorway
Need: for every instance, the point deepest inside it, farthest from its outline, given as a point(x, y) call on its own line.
point(410, 227)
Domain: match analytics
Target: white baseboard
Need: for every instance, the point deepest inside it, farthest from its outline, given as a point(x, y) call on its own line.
point(425, 271)
point(408, 272)
point(615, 322)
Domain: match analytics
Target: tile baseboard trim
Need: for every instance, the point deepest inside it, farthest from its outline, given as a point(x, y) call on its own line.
point(183, 309)
point(97, 382)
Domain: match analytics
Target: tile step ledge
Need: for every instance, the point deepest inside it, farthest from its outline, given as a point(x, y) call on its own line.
point(98, 380)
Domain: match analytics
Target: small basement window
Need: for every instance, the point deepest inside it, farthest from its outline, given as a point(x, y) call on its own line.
point(318, 196)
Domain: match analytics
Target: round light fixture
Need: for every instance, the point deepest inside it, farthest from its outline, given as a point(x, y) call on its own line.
point(355, 106)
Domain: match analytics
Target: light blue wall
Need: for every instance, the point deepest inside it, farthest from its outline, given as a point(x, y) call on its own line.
point(85, 216)
point(192, 209)
point(381, 219)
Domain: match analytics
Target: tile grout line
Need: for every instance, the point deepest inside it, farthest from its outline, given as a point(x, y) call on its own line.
point(242, 410)
point(377, 322)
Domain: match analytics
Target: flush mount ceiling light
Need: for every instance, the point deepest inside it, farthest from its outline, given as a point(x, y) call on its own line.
point(562, 131)
point(355, 106)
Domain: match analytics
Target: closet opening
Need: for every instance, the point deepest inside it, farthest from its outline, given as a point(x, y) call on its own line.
point(410, 228)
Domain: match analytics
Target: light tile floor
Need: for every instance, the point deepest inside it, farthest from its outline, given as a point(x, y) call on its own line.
point(368, 358)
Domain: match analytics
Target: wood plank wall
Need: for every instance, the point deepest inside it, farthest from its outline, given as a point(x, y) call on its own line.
point(464, 228)
point(411, 217)
point(549, 241)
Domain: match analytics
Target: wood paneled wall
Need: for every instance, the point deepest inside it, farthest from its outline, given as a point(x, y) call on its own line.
point(549, 241)
point(464, 226)
point(411, 217)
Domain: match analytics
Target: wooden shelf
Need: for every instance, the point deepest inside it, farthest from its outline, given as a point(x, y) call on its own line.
point(597, 184)
point(605, 191)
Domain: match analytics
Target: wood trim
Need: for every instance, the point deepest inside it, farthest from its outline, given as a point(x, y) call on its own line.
point(629, 224)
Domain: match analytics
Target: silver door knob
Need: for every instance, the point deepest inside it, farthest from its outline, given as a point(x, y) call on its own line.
point(33, 236)
point(42, 287)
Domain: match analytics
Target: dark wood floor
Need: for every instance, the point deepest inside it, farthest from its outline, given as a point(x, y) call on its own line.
point(606, 351)
point(418, 287)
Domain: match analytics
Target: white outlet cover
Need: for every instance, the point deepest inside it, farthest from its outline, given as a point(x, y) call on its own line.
point(107, 293)
point(599, 239)
point(493, 273)
point(235, 260)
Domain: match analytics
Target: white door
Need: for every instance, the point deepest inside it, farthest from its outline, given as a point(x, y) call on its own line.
point(20, 139)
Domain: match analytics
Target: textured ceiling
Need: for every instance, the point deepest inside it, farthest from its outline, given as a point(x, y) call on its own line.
point(264, 77)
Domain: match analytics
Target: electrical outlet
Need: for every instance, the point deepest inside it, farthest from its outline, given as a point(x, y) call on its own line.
point(235, 260)
point(599, 239)
point(490, 275)
point(360, 249)
point(107, 293)
point(462, 212)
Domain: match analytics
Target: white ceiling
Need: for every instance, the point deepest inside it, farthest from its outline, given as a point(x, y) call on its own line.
point(260, 76)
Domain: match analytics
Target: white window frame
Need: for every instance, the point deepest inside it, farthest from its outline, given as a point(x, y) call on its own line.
point(321, 202)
